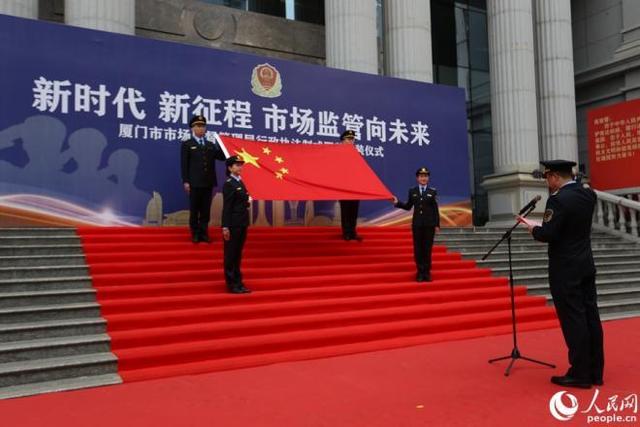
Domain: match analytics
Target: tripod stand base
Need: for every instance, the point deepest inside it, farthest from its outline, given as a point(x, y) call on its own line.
point(515, 355)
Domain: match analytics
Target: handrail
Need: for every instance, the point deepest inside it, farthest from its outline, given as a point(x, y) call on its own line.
point(622, 201)
point(617, 214)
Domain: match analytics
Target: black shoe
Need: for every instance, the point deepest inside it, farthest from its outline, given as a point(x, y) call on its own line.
point(419, 278)
point(205, 238)
point(195, 238)
point(244, 289)
point(426, 278)
point(233, 288)
point(567, 381)
point(357, 237)
point(347, 238)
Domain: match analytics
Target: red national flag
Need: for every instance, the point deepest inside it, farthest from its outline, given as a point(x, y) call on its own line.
point(305, 171)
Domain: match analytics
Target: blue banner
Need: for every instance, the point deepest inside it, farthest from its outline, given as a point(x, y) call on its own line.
point(92, 122)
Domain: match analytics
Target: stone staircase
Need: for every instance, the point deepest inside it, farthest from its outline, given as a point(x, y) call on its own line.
point(617, 261)
point(52, 337)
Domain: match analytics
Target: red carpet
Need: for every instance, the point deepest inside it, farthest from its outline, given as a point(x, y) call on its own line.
point(315, 296)
point(444, 384)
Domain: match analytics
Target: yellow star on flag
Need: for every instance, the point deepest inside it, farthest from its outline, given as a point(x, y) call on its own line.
point(284, 171)
point(279, 159)
point(266, 150)
point(248, 158)
point(278, 175)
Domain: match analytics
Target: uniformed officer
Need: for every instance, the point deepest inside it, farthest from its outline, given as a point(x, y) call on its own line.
point(235, 221)
point(425, 222)
point(349, 208)
point(566, 227)
point(199, 177)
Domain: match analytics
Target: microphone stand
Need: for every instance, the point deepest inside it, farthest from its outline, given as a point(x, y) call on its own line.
point(515, 352)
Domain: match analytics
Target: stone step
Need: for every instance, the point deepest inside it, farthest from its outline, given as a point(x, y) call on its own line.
point(49, 312)
point(38, 231)
point(458, 239)
point(38, 240)
point(65, 384)
point(45, 284)
point(542, 278)
point(628, 293)
point(475, 254)
point(534, 246)
point(615, 294)
point(498, 232)
point(537, 258)
point(7, 273)
point(46, 348)
point(55, 368)
point(41, 261)
point(617, 315)
point(542, 267)
point(31, 250)
point(30, 298)
point(51, 329)
point(614, 307)
point(601, 284)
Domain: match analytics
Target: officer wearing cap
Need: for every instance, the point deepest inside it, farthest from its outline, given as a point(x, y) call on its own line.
point(199, 176)
point(425, 222)
point(349, 208)
point(235, 221)
point(566, 227)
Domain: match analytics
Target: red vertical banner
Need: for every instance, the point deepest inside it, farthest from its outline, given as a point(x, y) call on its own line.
point(614, 145)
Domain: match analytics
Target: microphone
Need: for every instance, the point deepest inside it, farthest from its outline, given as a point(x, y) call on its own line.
point(537, 174)
point(530, 204)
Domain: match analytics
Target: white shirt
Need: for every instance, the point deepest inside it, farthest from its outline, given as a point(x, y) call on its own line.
point(566, 183)
point(199, 140)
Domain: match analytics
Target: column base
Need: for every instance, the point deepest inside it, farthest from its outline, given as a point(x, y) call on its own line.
point(508, 193)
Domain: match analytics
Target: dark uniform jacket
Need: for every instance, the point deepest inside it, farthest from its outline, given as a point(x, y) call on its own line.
point(235, 212)
point(425, 207)
point(567, 228)
point(197, 161)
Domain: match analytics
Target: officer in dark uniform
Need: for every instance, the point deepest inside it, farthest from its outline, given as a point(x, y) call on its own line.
point(566, 227)
point(425, 222)
point(199, 177)
point(349, 208)
point(235, 221)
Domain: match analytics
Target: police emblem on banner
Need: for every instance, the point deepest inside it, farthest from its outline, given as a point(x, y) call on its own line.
point(548, 214)
point(266, 81)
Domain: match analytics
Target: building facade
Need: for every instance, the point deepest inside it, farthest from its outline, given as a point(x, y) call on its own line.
point(531, 69)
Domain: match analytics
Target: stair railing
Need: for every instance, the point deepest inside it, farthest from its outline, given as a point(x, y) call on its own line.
point(619, 215)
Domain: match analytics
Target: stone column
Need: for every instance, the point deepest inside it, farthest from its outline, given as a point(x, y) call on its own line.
point(408, 39)
point(630, 47)
point(20, 8)
point(351, 36)
point(556, 84)
point(513, 110)
point(116, 16)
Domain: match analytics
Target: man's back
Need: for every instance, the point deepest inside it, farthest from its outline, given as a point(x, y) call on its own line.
point(567, 229)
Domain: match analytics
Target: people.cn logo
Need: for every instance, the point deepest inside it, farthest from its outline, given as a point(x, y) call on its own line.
point(559, 410)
